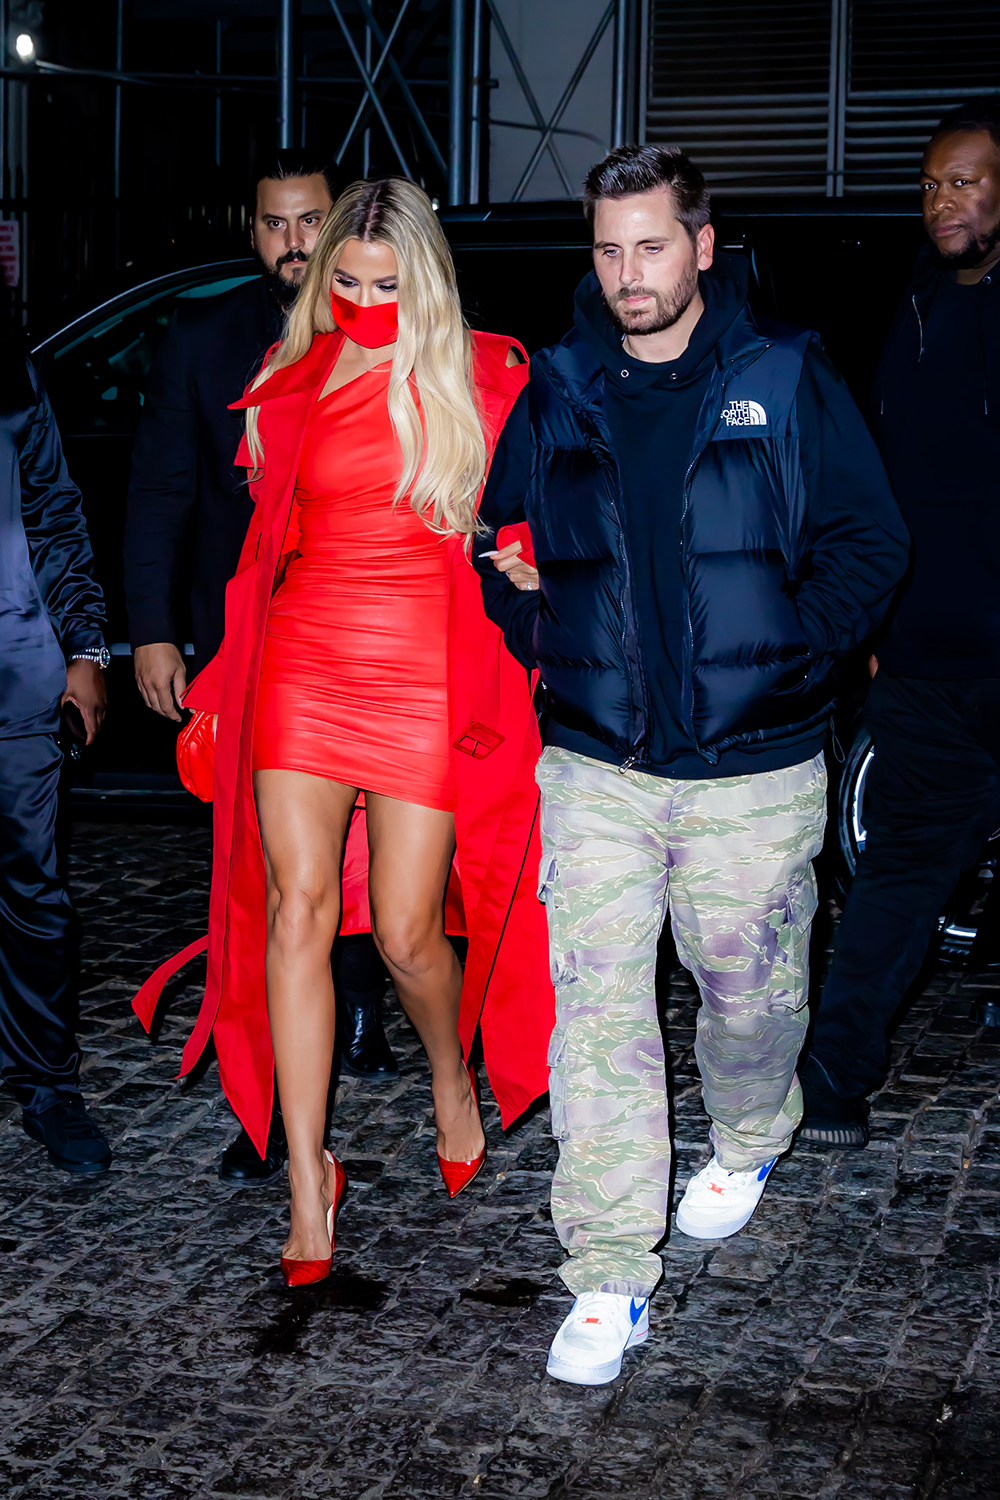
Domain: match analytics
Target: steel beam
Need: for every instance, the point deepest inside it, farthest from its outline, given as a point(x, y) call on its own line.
point(529, 96)
point(397, 73)
point(370, 91)
point(620, 79)
point(545, 142)
point(286, 73)
point(477, 93)
point(457, 103)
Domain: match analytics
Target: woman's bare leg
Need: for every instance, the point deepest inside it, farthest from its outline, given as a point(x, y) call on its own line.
point(410, 853)
point(303, 824)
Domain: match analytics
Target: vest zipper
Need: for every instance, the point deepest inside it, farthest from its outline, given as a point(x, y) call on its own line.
point(728, 375)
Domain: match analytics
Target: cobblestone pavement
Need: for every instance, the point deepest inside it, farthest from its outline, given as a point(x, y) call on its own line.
point(846, 1344)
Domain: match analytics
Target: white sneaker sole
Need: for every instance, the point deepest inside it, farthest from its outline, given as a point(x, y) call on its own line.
point(714, 1230)
point(562, 1369)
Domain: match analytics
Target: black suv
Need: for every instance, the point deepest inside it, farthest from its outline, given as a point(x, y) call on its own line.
point(834, 265)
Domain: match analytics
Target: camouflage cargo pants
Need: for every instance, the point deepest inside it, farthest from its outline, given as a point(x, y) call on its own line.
point(732, 859)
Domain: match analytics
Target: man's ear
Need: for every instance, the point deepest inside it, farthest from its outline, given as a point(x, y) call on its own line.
point(705, 244)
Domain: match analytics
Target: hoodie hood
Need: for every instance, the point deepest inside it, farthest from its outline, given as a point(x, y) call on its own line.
point(724, 292)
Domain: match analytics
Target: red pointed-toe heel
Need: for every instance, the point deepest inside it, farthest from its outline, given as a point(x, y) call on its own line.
point(458, 1174)
point(305, 1272)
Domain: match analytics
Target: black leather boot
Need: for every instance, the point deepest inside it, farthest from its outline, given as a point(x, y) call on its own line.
point(73, 1140)
point(359, 980)
point(830, 1119)
point(364, 1048)
point(243, 1166)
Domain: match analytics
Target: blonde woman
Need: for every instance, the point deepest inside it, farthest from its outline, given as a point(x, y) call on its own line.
point(358, 659)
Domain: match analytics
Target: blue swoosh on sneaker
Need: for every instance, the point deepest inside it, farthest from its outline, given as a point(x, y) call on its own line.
point(765, 1169)
point(635, 1313)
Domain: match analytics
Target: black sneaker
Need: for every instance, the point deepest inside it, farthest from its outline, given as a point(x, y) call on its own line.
point(836, 1121)
point(73, 1140)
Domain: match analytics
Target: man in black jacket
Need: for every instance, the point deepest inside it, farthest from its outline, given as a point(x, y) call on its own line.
point(712, 527)
point(933, 792)
point(187, 500)
point(52, 661)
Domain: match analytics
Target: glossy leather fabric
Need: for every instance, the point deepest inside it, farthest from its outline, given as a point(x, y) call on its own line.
point(354, 678)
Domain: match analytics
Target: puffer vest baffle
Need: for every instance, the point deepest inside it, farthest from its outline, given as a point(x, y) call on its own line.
point(748, 674)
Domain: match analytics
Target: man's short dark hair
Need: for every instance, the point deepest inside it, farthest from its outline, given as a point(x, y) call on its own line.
point(293, 162)
point(641, 169)
point(975, 114)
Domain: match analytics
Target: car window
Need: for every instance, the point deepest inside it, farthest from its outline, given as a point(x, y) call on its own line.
point(96, 379)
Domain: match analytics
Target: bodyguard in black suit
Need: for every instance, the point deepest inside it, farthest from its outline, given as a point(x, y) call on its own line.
point(186, 499)
point(52, 660)
point(188, 510)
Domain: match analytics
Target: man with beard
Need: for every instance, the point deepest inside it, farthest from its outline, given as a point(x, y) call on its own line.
point(712, 528)
point(934, 706)
point(188, 513)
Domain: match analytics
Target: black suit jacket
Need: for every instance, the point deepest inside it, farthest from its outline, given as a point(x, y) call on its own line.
point(188, 506)
point(51, 604)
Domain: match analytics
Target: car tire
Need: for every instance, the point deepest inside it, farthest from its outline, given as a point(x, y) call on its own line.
point(957, 925)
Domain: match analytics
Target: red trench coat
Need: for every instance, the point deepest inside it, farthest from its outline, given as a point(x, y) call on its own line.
point(507, 991)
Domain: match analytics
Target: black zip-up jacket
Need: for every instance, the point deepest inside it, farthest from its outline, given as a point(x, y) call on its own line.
point(936, 417)
point(51, 604)
point(775, 586)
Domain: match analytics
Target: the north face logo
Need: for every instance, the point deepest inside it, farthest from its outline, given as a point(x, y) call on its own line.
point(744, 414)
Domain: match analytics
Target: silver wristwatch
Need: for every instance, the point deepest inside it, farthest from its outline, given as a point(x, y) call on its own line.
point(99, 655)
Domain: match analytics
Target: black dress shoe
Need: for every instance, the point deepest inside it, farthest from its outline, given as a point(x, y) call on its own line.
point(73, 1140)
point(364, 1050)
point(243, 1165)
point(837, 1121)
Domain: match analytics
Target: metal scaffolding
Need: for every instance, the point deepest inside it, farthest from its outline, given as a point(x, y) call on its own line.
point(393, 85)
point(468, 27)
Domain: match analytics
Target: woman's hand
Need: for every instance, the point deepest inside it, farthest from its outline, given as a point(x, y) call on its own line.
point(521, 574)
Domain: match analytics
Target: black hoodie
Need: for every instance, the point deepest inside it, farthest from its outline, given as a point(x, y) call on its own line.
point(652, 412)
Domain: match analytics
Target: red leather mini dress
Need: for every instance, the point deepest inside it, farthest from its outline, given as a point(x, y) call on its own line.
point(354, 679)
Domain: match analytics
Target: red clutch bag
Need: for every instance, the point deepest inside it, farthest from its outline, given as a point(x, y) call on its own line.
point(196, 754)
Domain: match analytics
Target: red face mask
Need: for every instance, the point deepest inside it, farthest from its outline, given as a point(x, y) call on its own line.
point(372, 327)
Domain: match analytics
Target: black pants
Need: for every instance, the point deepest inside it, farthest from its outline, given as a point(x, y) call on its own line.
point(359, 975)
point(38, 970)
point(933, 801)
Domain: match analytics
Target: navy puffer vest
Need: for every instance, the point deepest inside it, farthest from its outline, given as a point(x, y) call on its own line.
point(748, 676)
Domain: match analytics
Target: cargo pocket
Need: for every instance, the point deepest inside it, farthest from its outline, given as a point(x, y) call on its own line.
point(792, 922)
point(553, 898)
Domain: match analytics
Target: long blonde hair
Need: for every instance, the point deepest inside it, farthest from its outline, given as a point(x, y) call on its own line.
point(443, 459)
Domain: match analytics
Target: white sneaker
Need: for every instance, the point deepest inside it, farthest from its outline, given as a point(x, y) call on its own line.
point(717, 1203)
point(589, 1346)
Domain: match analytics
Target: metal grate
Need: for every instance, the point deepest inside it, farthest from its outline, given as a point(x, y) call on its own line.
point(814, 96)
point(910, 62)
point(743, 88)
